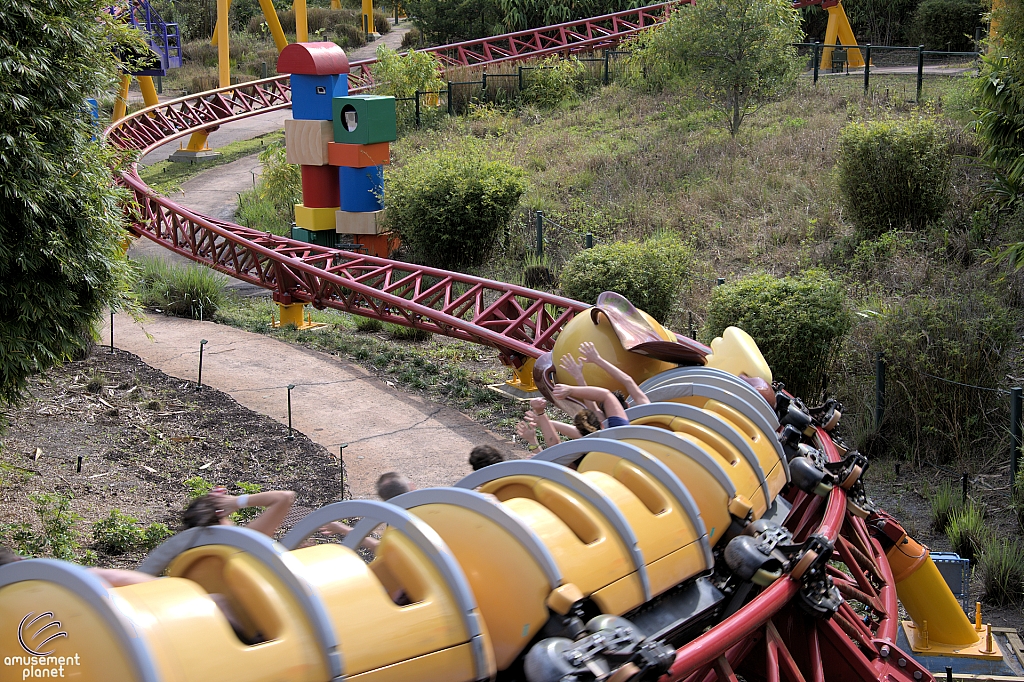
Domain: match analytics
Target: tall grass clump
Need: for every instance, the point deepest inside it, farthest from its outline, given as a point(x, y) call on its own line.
point(943, 502)
point(651, 273)
point(939, 350)
point(967, 531)
point(182, 290)
point(1001, 562)
point(798, 322)
point(450, 205)
point(400, 332)
point(270, 206)
point(894, 174)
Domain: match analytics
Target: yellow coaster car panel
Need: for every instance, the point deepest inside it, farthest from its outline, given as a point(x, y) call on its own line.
point(600, 548)
point(736, 352)
point(714, 434)
point(582, 328)
point(741, 415)
point(99, 642)
point(509, 569)
point(264, 587)
point(414, 566)
point(664, 496)
point(709, 376)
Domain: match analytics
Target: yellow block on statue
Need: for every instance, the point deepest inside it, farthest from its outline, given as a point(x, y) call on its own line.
point(315, 219)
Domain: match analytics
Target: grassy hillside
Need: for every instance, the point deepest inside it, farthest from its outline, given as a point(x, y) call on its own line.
point(622, 165)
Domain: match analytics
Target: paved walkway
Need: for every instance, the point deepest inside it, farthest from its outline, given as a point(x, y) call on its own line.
point(333, 401)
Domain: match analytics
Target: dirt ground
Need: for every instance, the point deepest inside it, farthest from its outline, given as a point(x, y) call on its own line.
point(141, 434)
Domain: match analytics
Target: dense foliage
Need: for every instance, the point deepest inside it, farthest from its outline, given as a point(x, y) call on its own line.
point(60, 217)
point(553, 81)
point(937, 349)
point(451, 21)
point(270, 206)
point(737, 55)
point(798, 323)
point(651, 273)
point(449, 206)
point(947, 24)
point(894, 174)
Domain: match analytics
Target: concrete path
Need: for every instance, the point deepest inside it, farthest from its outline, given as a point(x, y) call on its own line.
point(333, 401)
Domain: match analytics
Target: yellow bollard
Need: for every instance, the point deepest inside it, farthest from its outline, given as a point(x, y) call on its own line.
point(977, 616)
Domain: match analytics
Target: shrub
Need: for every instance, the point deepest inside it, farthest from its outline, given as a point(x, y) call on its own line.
point(553, 81)
point(893, 174)
point(651, 274)
point(967, 531)
point(381, 23)
point(936, 350)
point(402, 333)
point(412, 39)
point(449, 205)
point(368, 324)
point(943, 502)
point(798, 323)
point(947, 24)
point(118, 533)
point(402, 76)
point(1001, 562)
point(59, 539)
point(155, 534)
point(249, 513)
point(270, 206)
point(186, 291)
point(197, 486)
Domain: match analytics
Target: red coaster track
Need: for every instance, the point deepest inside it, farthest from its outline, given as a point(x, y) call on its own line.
point(770, 638)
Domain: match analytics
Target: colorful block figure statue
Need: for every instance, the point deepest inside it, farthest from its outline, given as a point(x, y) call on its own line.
point(342, 143)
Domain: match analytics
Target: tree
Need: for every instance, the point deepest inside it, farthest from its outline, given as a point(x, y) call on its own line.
point(449, 21)
point(61, 220)
point(737, 54)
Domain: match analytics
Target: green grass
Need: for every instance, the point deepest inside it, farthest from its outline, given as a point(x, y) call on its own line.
point(167, 177)
point(943, 503)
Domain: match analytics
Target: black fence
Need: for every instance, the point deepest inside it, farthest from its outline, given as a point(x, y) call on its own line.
point(888, 59)
point(504, 85)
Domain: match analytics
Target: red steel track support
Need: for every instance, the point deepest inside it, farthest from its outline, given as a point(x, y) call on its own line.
point(769, 638)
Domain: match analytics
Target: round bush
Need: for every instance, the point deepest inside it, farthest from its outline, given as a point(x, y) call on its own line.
point(449, 205)
point(798, 323)
point(650, 274)
point(894, 174)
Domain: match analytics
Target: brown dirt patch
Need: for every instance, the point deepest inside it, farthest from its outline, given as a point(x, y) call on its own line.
point(141, 434)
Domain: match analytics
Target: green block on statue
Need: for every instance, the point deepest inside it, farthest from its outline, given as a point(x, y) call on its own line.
point(364, 119)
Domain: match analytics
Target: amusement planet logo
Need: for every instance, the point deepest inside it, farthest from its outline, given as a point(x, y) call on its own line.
point(35, 632)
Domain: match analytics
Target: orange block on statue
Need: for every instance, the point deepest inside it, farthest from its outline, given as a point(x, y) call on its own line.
point(380, 245)
point(358, 155)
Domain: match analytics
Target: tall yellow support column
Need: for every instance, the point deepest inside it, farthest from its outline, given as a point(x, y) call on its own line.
point(839, 28)
point(149, 95)
point(335, 4)
point(301, 27)
point(274, 24)
point(121, 103)
point(368, 17)
point(223, 43)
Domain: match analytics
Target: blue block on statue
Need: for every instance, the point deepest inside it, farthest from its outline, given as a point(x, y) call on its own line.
point(362, 189)
point(312, 95)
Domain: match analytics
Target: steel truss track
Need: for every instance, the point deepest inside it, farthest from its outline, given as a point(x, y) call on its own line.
point(772, 639)
point(769, 638)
